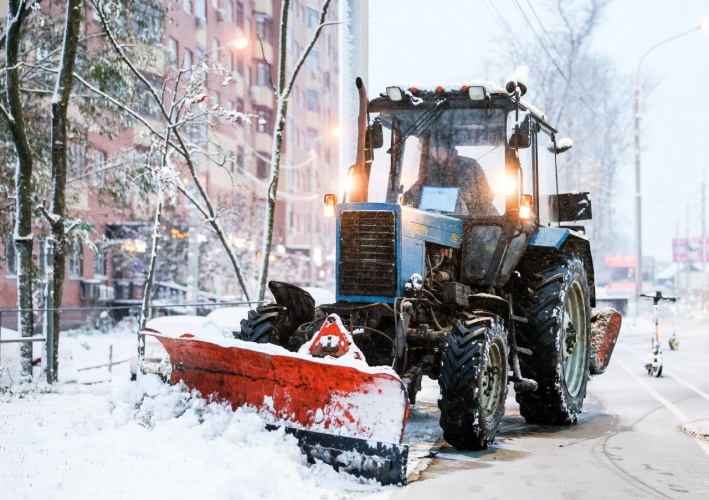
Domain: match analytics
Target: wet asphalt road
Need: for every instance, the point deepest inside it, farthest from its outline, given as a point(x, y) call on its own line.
point(633, 439)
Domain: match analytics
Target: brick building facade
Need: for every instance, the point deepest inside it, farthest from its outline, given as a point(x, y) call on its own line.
point(187, 32)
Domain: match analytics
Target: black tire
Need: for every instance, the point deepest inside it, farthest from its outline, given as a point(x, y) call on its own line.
point(555, 299)
point(260, 324)
point(473, 382)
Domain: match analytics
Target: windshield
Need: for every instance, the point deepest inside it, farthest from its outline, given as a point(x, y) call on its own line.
point(441, 159)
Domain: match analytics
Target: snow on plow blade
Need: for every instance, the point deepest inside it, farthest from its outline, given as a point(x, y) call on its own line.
point(351, 417)
point(605, 327)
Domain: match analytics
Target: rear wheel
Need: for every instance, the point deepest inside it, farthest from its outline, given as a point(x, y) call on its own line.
point(556, 303)
point(260, 324)
point(473, 382)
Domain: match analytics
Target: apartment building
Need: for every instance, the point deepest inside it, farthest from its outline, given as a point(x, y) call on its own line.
point(234, 163)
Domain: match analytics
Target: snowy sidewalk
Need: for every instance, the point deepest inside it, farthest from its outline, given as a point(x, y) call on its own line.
point(698, 429)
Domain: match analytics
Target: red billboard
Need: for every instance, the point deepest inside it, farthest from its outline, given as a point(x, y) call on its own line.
point(692, 252)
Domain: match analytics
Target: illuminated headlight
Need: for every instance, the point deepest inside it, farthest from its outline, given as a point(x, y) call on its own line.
point(395, 93)
point(476, 93)
point(508, 185)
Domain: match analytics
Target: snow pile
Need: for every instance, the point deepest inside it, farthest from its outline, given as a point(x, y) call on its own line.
point(151, 439)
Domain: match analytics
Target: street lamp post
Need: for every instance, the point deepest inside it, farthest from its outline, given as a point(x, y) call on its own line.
point(638, 195)
point(315, 203)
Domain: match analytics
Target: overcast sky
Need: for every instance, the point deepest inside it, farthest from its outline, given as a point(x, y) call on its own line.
point(447, 40)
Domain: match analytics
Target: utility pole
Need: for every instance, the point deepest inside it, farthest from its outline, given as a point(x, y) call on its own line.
point(675, 281)
point(704, 248)
point(688, 264)
point(313, 220)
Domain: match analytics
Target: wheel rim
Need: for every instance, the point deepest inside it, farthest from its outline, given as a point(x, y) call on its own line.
point(492, 383)
point(573, 344)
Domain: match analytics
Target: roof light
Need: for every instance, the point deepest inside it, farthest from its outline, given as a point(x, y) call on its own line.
point(525, 206)
point(414, 90)
point(476, 93)
point(439, 90)
point(395, 93)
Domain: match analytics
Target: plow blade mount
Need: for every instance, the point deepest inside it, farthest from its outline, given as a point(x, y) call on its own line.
point(605, 327)
point(347, 414)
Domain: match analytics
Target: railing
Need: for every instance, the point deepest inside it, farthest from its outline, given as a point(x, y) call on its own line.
point(96, 317)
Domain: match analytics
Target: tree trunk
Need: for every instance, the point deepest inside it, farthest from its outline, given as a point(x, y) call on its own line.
point(23, 237)
point(282, 94)
point(60, 105)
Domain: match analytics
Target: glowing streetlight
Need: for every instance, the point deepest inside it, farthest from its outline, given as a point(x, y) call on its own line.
point(240, 43)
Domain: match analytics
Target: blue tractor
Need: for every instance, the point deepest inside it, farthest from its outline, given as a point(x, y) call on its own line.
point(458, 259)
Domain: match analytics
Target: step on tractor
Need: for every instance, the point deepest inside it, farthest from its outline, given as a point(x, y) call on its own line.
point(457, 259)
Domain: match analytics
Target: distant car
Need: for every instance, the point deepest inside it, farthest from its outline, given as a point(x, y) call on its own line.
point(321, 295)
point(155, 359)
point(228, 319)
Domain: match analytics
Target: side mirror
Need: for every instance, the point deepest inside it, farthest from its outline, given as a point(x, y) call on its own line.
point(375, 135)
point(519, 132)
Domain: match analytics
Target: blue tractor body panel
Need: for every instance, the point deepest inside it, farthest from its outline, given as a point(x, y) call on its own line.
point(405, 233)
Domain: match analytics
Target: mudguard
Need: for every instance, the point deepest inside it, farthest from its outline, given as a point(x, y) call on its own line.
point(605, 327)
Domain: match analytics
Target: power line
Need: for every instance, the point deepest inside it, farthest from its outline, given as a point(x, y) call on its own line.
point(578, 93)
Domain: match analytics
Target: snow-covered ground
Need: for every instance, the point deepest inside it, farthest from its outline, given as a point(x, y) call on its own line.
point(97, 433)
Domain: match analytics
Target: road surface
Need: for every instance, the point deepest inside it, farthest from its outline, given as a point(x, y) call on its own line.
point(638, 436)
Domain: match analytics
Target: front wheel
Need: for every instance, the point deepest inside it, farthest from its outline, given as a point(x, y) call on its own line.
point(557, 305)
point(473, 382)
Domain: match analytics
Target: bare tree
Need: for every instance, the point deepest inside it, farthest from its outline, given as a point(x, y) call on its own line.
point(175, 110)
point(14, 118)
point(57, 211)
point(580, 90)
point(282, 90)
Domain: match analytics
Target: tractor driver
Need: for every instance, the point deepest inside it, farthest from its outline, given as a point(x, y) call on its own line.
point(446, 168)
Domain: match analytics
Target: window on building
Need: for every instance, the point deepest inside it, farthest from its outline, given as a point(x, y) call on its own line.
point(229, 11)
point(76, 166)
point(187, 60)
point(262, 74)
point(74, 260)
point(172, 46)
point(100, 261)
point(200, 9)
point(310, 138)
point(240, 14)
point(215, 48)
point(147, 21)
point(313, 19)
point(262, 166)
point(264, 26)
point(326, 79)
point(265, 120)
point(187, 6)
point(239, 63)
point(240, 158)
point(97, 164)
point(312, 61)
point(312, 100)
point(10, 257)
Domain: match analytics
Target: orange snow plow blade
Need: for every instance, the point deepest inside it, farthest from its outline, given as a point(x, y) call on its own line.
point(345, 413)
point(605, 327)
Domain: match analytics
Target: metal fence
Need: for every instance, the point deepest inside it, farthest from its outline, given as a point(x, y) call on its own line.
point(100, 318)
